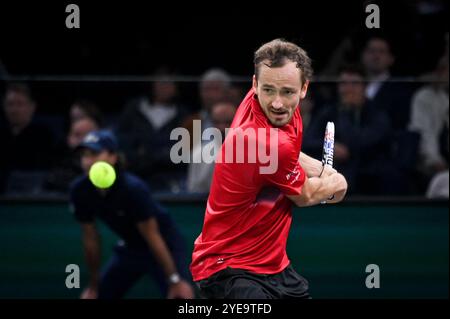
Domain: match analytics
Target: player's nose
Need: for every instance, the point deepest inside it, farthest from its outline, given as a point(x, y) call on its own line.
point(277, 104)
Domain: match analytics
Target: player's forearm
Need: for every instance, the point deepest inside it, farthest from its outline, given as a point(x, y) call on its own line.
point(311, 166)
point(92, 252)
point(317, 190)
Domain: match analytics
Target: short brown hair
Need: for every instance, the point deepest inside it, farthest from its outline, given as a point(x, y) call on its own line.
point(278, 51)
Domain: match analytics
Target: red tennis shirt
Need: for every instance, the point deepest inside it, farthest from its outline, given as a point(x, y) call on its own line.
point(247, 217)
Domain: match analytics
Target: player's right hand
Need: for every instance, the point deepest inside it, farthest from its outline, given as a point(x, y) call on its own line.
point(89, 293)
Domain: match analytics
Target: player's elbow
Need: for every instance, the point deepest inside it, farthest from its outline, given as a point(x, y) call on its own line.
point(304, 199)
point(309, 193)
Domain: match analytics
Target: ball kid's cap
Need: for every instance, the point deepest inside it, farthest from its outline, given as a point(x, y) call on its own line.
point(98, 141)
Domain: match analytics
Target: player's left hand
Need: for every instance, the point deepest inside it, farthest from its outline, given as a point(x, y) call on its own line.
point(180, 290)
point(327, 171)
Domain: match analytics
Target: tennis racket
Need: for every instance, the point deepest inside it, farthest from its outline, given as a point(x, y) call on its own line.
point(328, 147)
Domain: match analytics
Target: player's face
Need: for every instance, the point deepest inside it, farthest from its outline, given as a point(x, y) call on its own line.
point(279, 91)
point(89, 157)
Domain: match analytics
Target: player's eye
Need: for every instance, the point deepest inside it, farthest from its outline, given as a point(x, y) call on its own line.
point(268, 90)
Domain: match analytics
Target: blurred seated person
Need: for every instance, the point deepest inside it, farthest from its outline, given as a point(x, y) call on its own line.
point(236, 94)
point(438, 187)
point(362, 137)
point(429, 117)
point(143, 131)
point(28, 147)
point(308, 108)
point(214, 87)
point(83, 108)
point(200, 172)
point(59, 178)
point(392, 97)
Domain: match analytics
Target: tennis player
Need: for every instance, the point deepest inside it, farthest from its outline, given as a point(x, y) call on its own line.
point(241, 251)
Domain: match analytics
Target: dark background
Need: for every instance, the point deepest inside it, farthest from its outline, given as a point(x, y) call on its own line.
point(135, 37)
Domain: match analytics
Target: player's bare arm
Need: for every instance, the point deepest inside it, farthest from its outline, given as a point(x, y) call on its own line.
point(318, 189)
point(92, 252)
point(313, 167)
point(178, 287)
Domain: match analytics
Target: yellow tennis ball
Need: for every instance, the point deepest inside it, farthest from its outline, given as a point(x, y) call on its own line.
point(102, 174)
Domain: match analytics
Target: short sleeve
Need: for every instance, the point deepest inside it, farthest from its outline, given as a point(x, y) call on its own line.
point(289, 176)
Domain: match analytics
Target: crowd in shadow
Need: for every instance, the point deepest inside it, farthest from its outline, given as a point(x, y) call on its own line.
point(391, 138)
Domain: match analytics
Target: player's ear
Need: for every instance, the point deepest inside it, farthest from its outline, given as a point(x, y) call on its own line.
point(304, 90)
point(254, 83)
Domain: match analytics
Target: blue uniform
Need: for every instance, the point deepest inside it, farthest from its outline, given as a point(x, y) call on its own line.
point(125, 204)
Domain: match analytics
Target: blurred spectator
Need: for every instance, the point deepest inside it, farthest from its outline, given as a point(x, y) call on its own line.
point(438, 187)
point(429, 117)
point(308, 107)
point(68, 166)
point(200, 174)
point(144, 131)
point(81, 109)
point(28, 147)
point(362, 138)
point(384, 93)
point(215, 86)
point(306, 110)
point(236, 94)
point(79, 129)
